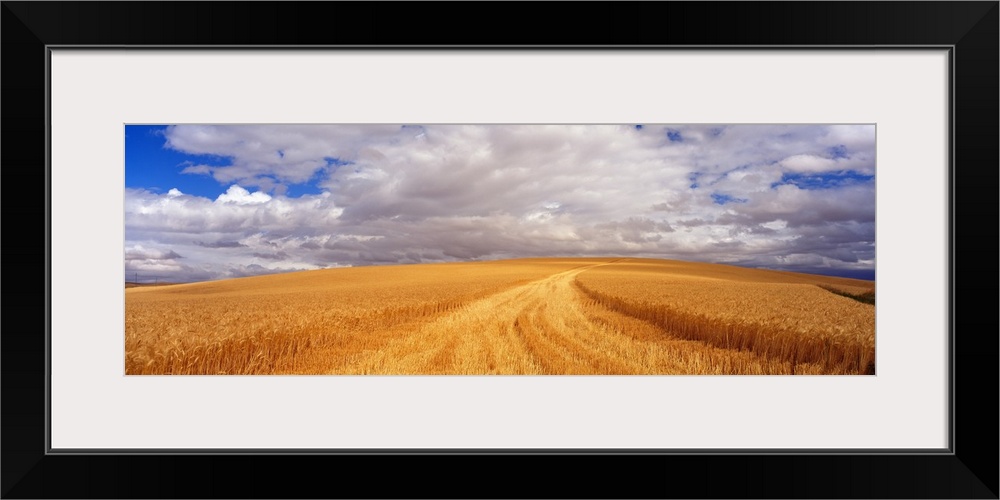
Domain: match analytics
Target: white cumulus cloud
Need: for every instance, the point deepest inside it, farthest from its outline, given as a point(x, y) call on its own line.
point(240, 196)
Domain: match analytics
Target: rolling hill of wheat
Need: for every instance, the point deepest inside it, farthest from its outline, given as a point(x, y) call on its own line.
point(587, 316)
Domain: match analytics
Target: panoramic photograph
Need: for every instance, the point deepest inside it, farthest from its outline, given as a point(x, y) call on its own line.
point(499, 249)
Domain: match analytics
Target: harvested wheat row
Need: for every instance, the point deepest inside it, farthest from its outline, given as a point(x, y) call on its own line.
point(794, 321)
point(301, 322)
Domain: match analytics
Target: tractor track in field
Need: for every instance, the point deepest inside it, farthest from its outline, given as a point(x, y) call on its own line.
point(534, 328)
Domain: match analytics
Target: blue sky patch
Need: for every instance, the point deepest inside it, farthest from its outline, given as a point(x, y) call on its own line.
point(722, 199)
point(335, 162)
point(837, 152)
point(825, 180)
point(151, 165)
point(674, 136)
point(693, 177)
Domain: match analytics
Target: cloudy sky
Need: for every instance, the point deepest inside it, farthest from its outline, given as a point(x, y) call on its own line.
point(208, 202)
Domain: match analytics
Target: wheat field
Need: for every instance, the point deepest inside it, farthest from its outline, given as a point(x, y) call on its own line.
point(584, 316)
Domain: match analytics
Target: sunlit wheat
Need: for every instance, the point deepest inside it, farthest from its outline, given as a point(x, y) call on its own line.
point(525, 316)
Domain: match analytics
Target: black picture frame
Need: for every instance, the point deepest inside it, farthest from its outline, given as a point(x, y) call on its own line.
point(968, 470)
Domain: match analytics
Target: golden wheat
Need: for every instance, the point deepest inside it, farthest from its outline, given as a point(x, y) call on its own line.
point(306, 322)
point(525, 316)
point(783, 316)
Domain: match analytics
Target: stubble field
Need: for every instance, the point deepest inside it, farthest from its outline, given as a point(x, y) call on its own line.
point(526, 316)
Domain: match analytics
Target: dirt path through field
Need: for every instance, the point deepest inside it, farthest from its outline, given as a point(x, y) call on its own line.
point(508, 332)
point(542, 327)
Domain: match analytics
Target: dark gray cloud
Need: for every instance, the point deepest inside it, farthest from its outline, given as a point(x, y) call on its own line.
point(788, 197)
point(139, 253)
point(220, 244)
